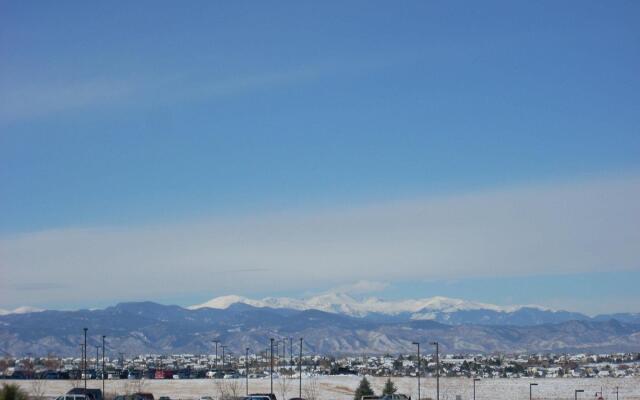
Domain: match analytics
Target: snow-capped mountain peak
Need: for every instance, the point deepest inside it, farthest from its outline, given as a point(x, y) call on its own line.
point(224, 302)
point(20, 310)
point(341, 303)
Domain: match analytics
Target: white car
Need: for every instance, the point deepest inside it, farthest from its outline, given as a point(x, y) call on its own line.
point(72, 397)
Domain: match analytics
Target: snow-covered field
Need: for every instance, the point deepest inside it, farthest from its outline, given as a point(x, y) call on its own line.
point(342, 387)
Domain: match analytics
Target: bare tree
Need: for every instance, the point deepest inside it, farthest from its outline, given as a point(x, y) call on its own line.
point(37, 388)
point(4, 364)
point(51, 363)
point(228, 388)
point(36, 384)
point(283, 384)
point(74, 380)
point(134, 386)
point(221, 388)
point(311, 388)
point(234, 389)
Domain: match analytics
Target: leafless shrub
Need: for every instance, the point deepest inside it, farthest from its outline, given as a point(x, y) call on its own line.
point(228, 389)
point(37, 388)
point(311, 389)
point(132, 386)
point(283, 384)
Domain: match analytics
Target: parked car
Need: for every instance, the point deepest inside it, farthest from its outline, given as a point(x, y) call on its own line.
point(89, 394)
point(269, 396)
point(136, 396)
point(395, 396)
point(72, 397)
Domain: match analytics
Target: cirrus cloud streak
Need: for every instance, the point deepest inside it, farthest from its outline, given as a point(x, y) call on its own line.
point(544, 229)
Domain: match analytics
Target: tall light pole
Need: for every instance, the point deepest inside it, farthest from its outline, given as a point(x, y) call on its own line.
point(216, 359)
point(84, 364)
point(246, 368)
point(103, 337)
point(223, 347)
point(530, 386)
point(474, 387)
point(97, 356)
point(576, 393)
point(300, 370)
point(271, 365)
point(277, 353)
point(81, 360)
point(437, 369)
point(417, 344)
point(291, 354)
point(617, 390)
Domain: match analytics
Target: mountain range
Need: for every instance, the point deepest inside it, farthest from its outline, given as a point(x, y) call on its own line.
point(440, 309)
point(342, 326)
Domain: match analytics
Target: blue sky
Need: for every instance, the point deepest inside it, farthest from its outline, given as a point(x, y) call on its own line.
point(125, 116)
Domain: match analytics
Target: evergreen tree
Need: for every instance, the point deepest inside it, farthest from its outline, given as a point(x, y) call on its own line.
point(389, 388)
point(12, 392)
point(363, 390)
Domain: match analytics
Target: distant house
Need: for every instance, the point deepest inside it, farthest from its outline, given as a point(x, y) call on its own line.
point(164, 374)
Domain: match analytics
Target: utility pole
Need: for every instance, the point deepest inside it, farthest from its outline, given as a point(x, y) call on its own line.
point(223, 347)
point(103, 370)
point(530, 386)
point(97, 355)
point(84, 364)
point(81, 360)
point(616, 392)
point(246, 368)
point(216, 361)
point(271, 363)
point(417, 344)
point(474, 387)
point(291, 354)
point(300, 370)
point(277, 353)
point(437, 369)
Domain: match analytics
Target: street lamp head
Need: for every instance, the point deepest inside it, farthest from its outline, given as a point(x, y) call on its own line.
point(533, 384)
point(415, 343)
point(579, 390)
point(476, 379)
point(433, 343)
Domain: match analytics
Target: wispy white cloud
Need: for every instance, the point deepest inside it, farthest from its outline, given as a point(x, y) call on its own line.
point(361, 287)
point(546, 229)
point(34, 100)
point(31, 100)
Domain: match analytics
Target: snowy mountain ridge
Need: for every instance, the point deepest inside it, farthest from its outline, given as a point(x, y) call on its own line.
point(20, 310)
point(340, 303)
